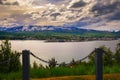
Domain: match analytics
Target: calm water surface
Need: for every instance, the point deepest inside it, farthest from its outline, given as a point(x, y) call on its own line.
point(61, 51)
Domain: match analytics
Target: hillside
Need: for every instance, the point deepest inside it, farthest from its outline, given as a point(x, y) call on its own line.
point(54, 33)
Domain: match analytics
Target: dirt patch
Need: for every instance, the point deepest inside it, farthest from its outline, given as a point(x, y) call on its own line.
point(83, 77)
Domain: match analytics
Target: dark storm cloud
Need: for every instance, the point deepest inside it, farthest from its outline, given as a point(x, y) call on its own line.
point(55, 1)
point(1, 2)
point(14, 3)
point(115, 16)
point(55, 14)
point(8, 3)
point(104, 9)
point(78, 4)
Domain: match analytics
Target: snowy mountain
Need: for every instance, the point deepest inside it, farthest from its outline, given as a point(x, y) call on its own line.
point(37, 28)
point(49, 28)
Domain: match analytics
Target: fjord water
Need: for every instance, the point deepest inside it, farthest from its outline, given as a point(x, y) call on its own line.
point(61, 51)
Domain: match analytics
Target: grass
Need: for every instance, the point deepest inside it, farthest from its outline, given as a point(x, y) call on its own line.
point(62, 71)
point(112, 69)
point(11, 76)
point(81, 72)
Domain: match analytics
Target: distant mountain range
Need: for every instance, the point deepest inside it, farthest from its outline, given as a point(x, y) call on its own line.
point(54, 32)
point(45, 28)
point(48, 28)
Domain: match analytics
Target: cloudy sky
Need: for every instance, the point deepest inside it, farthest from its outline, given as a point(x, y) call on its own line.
point(35, 12)
point(56, 12)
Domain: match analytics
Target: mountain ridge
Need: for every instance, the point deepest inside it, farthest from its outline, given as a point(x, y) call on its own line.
point(46, 28)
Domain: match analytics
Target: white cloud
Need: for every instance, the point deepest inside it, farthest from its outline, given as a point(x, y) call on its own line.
point(25, 2)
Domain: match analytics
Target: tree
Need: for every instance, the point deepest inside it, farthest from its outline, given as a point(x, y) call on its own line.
point(52, 63)
point(35, 66)
point(72, 63)
point(63, 64)
point(107, 56)
point(12, 58)
point(41, 66)
point(117, 54)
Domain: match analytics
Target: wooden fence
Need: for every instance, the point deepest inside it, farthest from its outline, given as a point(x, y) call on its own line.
point(98, 58)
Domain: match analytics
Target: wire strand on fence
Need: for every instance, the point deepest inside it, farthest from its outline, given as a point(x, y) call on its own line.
point(38, 58)
point(86, 56)
point(59, 63)
point(48, 61)
point(8, 60)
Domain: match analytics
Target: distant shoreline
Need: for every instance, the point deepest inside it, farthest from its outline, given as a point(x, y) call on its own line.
point(64, 40)
point(82, 40)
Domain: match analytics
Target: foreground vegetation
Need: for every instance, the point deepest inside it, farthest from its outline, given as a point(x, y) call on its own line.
point(80, 71)
point(11, 57)
point(12, 69)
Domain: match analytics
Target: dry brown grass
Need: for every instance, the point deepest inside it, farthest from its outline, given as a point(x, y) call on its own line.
point(83, 77)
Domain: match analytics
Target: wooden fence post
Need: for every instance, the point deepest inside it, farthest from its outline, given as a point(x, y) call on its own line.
point(26, 64)
point(99, 64)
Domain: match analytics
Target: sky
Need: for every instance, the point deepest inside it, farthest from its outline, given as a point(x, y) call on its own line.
point(36, 12)
point(55, 12)
point(39, 12)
